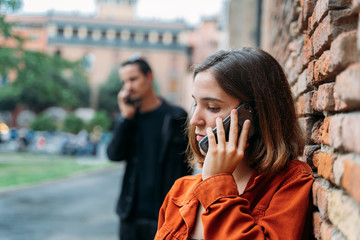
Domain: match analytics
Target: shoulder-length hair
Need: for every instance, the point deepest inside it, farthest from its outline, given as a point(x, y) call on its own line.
point(255, 77)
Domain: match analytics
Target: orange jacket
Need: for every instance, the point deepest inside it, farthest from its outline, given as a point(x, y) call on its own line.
point(273, 208)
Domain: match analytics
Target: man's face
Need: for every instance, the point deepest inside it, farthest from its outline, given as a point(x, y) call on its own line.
point(135, 82)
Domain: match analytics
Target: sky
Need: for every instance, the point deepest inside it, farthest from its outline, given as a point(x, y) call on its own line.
point(189, 10)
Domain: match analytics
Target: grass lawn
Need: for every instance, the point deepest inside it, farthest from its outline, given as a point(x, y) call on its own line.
point(27, 168)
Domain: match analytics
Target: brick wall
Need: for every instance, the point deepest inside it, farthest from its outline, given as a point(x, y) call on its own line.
point(318, 44)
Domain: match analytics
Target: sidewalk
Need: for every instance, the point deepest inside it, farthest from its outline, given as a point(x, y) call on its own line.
point(77, 208)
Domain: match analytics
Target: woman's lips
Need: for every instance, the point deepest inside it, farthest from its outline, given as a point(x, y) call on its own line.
point(199, 137)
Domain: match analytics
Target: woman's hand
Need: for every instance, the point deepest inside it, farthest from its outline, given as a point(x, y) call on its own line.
point(223, 157)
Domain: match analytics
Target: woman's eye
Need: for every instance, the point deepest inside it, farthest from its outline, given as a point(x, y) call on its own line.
point(214, 109)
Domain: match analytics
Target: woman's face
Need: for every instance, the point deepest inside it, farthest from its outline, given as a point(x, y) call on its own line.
point(210, 102)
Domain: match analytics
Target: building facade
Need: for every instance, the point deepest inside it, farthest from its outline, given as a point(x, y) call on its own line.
point(109, 38)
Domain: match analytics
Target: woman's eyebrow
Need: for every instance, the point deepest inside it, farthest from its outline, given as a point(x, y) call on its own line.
point(209, 99)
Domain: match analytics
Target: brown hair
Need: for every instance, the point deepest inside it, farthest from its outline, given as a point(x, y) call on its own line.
point(255, 77)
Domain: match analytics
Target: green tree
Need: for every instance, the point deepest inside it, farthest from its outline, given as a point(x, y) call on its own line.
point(8, 58)
point(42, 80)
point(45, 81)
point(43, 123)
point(101, 119)
point(108, 92)
point(73, 124)
point(9, 97)
point(6, 7)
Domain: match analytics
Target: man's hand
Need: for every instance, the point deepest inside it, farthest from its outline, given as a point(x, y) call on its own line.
point(126, 109)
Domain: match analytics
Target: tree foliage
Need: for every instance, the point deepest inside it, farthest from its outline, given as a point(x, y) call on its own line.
point(73, 124)
point(43, 81)
point(8, 59)
point(43, 123)
point(100, 119)
point(108, 92)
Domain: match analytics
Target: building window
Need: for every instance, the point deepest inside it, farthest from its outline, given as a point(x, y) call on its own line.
point(89, 34)
point(111, 34)
point(52, 30)
point(60, 32)
point(153, 37)
point(82, 32)
point(167, 38)
point(76, 32)
point(125, 35)
point(68, 31)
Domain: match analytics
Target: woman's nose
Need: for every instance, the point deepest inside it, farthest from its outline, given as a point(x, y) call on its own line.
point(197, 120)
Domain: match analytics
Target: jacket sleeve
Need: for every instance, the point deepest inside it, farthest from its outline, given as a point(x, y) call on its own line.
point(227, 215)
point(119, 145)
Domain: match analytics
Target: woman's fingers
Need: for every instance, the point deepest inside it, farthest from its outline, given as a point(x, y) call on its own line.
point(211, 138)
point(233, 133)
point(220, 133)
point(243, 136)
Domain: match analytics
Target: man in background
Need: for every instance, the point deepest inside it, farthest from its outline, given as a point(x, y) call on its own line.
point(150, 137)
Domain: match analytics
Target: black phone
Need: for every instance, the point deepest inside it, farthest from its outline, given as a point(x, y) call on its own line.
point(245, 111)
point(132, 101)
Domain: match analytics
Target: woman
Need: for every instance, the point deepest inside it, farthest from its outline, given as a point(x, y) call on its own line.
point(249, 188)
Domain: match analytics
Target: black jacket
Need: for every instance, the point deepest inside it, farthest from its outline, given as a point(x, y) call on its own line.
point(172, 163)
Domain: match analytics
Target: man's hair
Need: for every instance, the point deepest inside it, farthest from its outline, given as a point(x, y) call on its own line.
point(255, 77)
point(140, 62)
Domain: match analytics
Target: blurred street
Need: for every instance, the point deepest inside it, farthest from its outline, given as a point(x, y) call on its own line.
point(77, 208)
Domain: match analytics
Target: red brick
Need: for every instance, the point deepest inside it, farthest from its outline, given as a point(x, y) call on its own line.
point(324, 163)
point(335, 23)
point(344, 132)
point(351, 132)
point(310, 73)
point(308, 51)
point(314, 189)
point(343, 52)
point(316, 132)
point(325, 130)
point(323, 99)
point(294, 48)
point(326, 230)
point(340, 105)
point(335, 128)
point(348, 86)
point(351, 178)
point(317, 224)
point(303, 105)
point(300, 85)
point(308, 154)
point(322, 190)
point(338, 169)
point(321, 68)
point(306, 124)
point(307, 9)
point(323, 6)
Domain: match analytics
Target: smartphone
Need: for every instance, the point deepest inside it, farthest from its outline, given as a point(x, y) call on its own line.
point(244, 112)
point(132, 101)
